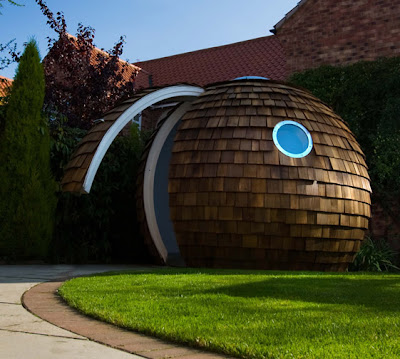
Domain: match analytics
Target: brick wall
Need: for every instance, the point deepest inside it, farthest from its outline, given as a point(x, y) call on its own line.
point(151, 116)
point(340, 32)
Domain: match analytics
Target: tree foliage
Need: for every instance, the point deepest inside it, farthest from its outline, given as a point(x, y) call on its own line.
point(12, 54)
point(27, 198)
point(83, 82)
point(10, 47)
point(367, 96)
point(10, 2)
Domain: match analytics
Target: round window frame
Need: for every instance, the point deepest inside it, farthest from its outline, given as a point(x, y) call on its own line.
point(287, 153)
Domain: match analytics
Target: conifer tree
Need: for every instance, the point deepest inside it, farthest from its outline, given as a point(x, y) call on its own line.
point(27, 199)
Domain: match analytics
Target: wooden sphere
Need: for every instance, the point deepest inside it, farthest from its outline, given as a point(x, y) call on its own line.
point(237, 201)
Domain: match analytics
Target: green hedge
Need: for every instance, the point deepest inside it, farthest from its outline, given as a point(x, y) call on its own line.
point(367, 96)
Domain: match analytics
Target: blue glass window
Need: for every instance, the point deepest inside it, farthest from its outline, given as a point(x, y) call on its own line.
point(292, 139)
point(251, 78)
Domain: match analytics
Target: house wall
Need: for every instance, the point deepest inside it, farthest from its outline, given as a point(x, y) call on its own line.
point(340, 32)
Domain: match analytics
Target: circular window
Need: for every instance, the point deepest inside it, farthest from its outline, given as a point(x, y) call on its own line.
point(292, 139)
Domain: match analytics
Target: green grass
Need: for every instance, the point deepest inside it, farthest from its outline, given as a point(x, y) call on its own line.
point(252, 314)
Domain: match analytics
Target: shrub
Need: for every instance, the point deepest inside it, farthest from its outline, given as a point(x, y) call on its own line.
point(64, 139)
point(27, 199)
point(376, 256)
point(102, 225)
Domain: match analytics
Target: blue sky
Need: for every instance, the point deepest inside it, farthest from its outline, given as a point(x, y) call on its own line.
point(153, 28)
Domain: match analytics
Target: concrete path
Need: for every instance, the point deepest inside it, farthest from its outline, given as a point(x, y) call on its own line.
point(25, 336)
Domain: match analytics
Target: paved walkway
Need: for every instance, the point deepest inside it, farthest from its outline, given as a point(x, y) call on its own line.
point(24, 335)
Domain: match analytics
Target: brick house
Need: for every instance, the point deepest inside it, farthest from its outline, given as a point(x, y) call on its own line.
point(339, 32)
point(314, 33)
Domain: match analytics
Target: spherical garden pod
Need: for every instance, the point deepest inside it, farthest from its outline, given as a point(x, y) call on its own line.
point(243, 174)
point(259, 175)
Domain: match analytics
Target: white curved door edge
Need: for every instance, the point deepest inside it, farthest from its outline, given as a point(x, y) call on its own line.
point(139, 106)
point(149, 173)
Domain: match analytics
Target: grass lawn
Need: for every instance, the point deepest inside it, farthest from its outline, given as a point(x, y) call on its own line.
point(252, 314)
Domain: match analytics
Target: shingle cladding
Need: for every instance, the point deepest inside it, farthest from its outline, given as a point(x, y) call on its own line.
point(236, 201)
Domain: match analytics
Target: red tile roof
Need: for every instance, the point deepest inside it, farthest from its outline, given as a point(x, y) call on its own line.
point(263, 56)
point(5, 85)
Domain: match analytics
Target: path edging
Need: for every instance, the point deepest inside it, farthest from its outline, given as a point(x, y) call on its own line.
point(43, 301)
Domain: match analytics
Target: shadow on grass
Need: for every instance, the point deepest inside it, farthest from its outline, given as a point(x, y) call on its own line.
point(380, 294)
point(370, 290)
